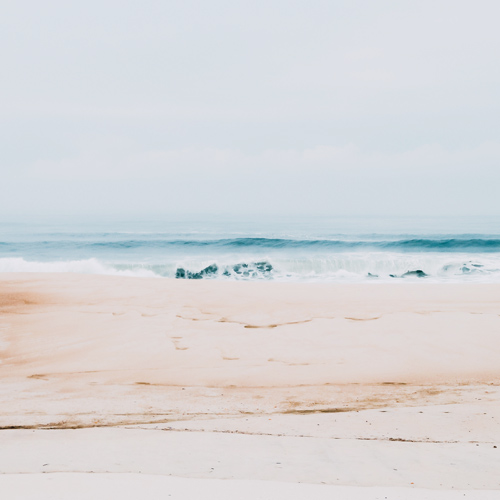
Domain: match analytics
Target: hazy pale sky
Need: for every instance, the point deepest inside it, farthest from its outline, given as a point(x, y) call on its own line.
point(333, 107)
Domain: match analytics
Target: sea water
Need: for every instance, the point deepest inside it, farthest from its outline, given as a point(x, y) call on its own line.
point(306, 248)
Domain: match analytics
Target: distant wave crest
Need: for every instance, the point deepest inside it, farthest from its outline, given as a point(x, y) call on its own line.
point(485, 245)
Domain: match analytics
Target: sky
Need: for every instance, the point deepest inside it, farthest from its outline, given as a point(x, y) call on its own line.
point(354, 107)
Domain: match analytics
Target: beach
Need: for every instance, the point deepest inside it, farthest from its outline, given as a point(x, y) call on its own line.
point(346, 385)
point(250, 250)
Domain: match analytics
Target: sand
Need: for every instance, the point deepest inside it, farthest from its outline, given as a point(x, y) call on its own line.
point(137, 486)
point(369, 389)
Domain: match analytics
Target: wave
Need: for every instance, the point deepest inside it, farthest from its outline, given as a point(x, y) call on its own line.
point(252, 270)
point(414, 245)
point(88, 266)
point(355, 266)
point(479, 245)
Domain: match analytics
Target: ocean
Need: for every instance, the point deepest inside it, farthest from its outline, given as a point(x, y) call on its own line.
point(307, 248)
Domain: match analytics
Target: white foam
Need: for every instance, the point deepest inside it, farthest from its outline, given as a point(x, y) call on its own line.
point(342, 267)
point(88, 266)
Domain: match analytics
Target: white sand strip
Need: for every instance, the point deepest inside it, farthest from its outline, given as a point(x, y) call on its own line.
point(235, 456)
point(64, 486)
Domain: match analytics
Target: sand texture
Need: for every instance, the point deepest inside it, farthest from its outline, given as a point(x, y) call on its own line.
point(381, 386)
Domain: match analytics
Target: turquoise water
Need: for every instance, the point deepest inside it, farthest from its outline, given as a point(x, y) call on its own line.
point(272, 248)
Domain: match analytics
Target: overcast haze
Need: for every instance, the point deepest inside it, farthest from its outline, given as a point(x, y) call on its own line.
point(169, 107)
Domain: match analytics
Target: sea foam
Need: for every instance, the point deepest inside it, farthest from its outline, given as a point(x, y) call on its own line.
point(88, 266)
point(357, 266)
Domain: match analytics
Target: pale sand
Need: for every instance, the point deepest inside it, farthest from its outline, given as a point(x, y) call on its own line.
point(350, 385)
point(141, 486)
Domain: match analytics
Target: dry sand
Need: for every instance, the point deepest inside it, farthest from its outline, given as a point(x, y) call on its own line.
point(379, 386)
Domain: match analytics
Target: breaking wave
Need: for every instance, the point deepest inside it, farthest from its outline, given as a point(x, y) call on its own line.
point(355, 266)
point(88, 266)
